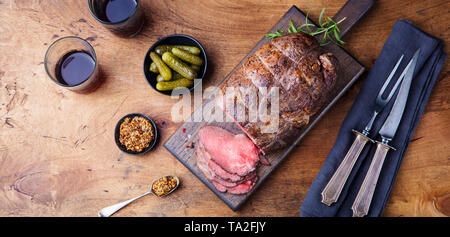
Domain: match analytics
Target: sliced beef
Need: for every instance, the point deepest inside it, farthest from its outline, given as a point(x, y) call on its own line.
point(241, 188)
point(234, 153)
point(228, 161)
point(304, 76)
point(214, 168)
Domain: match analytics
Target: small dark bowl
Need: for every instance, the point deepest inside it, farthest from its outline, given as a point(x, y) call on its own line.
point(117, 135)
point(174, 40)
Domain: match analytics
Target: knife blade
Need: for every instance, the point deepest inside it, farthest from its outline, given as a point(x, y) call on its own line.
point(391, 124)
point(387, 132)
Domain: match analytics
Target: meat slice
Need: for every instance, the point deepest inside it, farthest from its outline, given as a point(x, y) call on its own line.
point(205, 160)
point(219, 186)
point(228, 161)
point(234, 153)
point(243, 188)
point(210, 175)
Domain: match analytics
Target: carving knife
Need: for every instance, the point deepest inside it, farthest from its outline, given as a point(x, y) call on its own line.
point(387, 132)
point(333, 189)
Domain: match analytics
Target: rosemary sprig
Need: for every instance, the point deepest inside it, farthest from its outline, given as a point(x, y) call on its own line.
point(327, 26)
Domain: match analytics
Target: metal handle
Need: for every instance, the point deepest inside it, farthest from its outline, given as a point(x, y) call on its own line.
point(362, 202)
point(333, 189)
point(108, 211)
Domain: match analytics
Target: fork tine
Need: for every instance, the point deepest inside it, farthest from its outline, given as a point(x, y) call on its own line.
point(386, 83)
point(400, 78)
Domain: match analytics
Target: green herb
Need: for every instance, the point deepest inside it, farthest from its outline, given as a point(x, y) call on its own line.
point(327, 26)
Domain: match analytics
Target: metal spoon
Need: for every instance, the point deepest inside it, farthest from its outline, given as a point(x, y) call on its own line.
point(108, 211)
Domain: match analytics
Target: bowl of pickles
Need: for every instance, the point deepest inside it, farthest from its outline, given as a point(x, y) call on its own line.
point(175, 61)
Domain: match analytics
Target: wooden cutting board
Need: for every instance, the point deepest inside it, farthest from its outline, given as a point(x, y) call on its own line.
point(349, 72)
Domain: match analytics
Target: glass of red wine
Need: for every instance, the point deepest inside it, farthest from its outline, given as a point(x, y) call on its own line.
point(124, 18)
point(71, 62)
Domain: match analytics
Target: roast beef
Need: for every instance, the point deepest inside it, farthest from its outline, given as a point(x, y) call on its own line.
point(304, 76)
point(234, 153)
point(228, 161)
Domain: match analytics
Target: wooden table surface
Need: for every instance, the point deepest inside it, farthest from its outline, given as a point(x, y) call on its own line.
point(57, 150)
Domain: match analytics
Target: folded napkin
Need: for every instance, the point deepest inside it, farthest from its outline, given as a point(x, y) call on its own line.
point(404, 39)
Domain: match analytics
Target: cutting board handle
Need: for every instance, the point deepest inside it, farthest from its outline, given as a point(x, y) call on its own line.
point(353, 10)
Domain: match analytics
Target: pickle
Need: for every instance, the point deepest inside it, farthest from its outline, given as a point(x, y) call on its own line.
point(160, 49)
point(178, 66)
point(170, 85)
point(176, 76)
point(190, 49)
point(196, 67)
point(163, 69)
point(187, 57)
point(159, 78)
point(153, 68)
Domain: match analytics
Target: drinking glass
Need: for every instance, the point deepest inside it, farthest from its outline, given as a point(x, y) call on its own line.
point(62, 47)
point(128, 27)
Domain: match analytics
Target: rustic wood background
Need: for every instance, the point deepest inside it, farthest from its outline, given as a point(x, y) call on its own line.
point(57, 150)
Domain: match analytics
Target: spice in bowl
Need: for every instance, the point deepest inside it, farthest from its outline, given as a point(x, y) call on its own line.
point(164, 185)
point(136, 134)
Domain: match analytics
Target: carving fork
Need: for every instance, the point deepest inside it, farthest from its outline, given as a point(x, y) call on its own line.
point(333, 189)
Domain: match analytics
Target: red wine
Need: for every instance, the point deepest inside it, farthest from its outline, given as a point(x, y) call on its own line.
point(124, 18)
point(74, 68)
point(119, 10)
